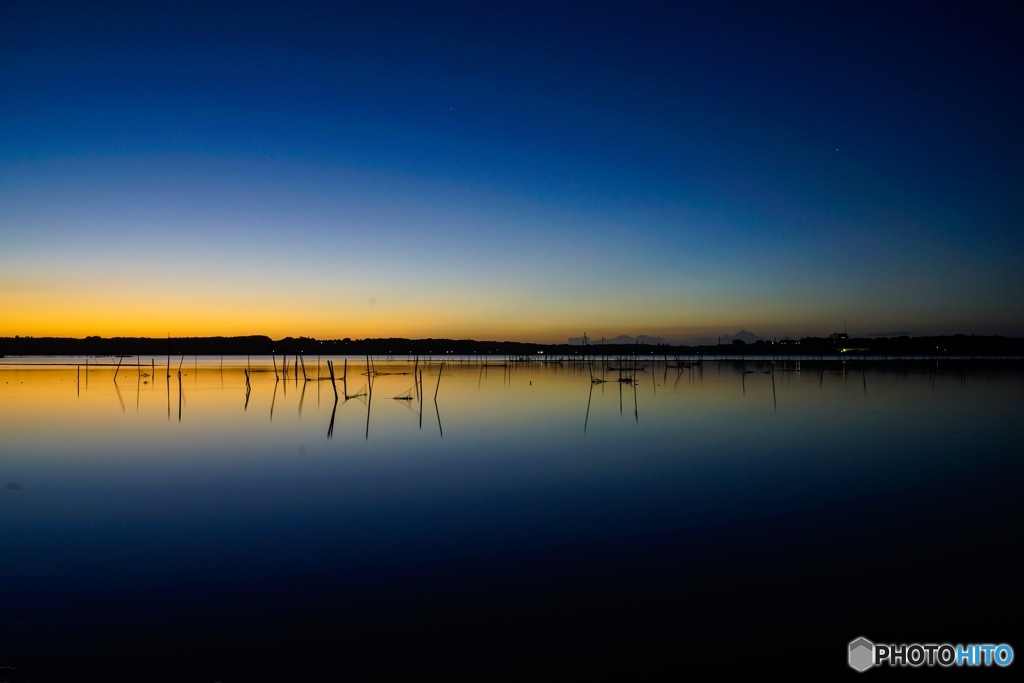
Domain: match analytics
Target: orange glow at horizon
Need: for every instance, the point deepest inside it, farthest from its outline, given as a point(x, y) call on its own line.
point(30, 316)
point(233, 304)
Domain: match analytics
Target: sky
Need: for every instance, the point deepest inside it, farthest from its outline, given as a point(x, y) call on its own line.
point(511, 171)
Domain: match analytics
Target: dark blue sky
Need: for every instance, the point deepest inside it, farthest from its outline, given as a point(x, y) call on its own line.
point(524, 171)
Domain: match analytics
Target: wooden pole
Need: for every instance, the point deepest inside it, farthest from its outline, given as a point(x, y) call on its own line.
point(330, 366)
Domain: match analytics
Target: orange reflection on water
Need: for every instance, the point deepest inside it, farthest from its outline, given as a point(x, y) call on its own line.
point(207, 406)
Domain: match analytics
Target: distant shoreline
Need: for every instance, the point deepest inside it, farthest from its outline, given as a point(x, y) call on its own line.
point(961, 347)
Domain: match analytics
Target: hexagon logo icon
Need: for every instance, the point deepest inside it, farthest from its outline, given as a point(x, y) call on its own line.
point(862, 654)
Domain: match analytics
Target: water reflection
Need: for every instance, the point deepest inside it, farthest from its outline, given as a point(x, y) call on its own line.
point(263, 520)
point(531, 392)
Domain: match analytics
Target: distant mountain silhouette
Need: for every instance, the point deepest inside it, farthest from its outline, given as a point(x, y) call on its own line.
point(743, 336)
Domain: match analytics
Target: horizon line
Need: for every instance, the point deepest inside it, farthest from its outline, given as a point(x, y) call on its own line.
point(655, 340)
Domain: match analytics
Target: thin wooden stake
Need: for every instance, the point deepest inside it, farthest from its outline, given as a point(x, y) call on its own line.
point(330, 366)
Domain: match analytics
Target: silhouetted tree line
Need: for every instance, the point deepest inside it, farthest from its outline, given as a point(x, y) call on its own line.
point(947, 346)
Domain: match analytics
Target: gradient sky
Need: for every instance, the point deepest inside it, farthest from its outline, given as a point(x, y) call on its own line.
point(521, 171)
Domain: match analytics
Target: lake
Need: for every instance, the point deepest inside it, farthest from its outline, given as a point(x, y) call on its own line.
point(214, 519)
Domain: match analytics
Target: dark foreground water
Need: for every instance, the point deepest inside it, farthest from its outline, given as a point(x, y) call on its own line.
point(528, 521)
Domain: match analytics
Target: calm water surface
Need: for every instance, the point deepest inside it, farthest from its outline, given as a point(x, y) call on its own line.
point(213, 527)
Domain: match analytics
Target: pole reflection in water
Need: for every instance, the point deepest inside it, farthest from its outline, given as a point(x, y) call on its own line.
point(135, 539)
point(273, 398)
point(334, 412)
